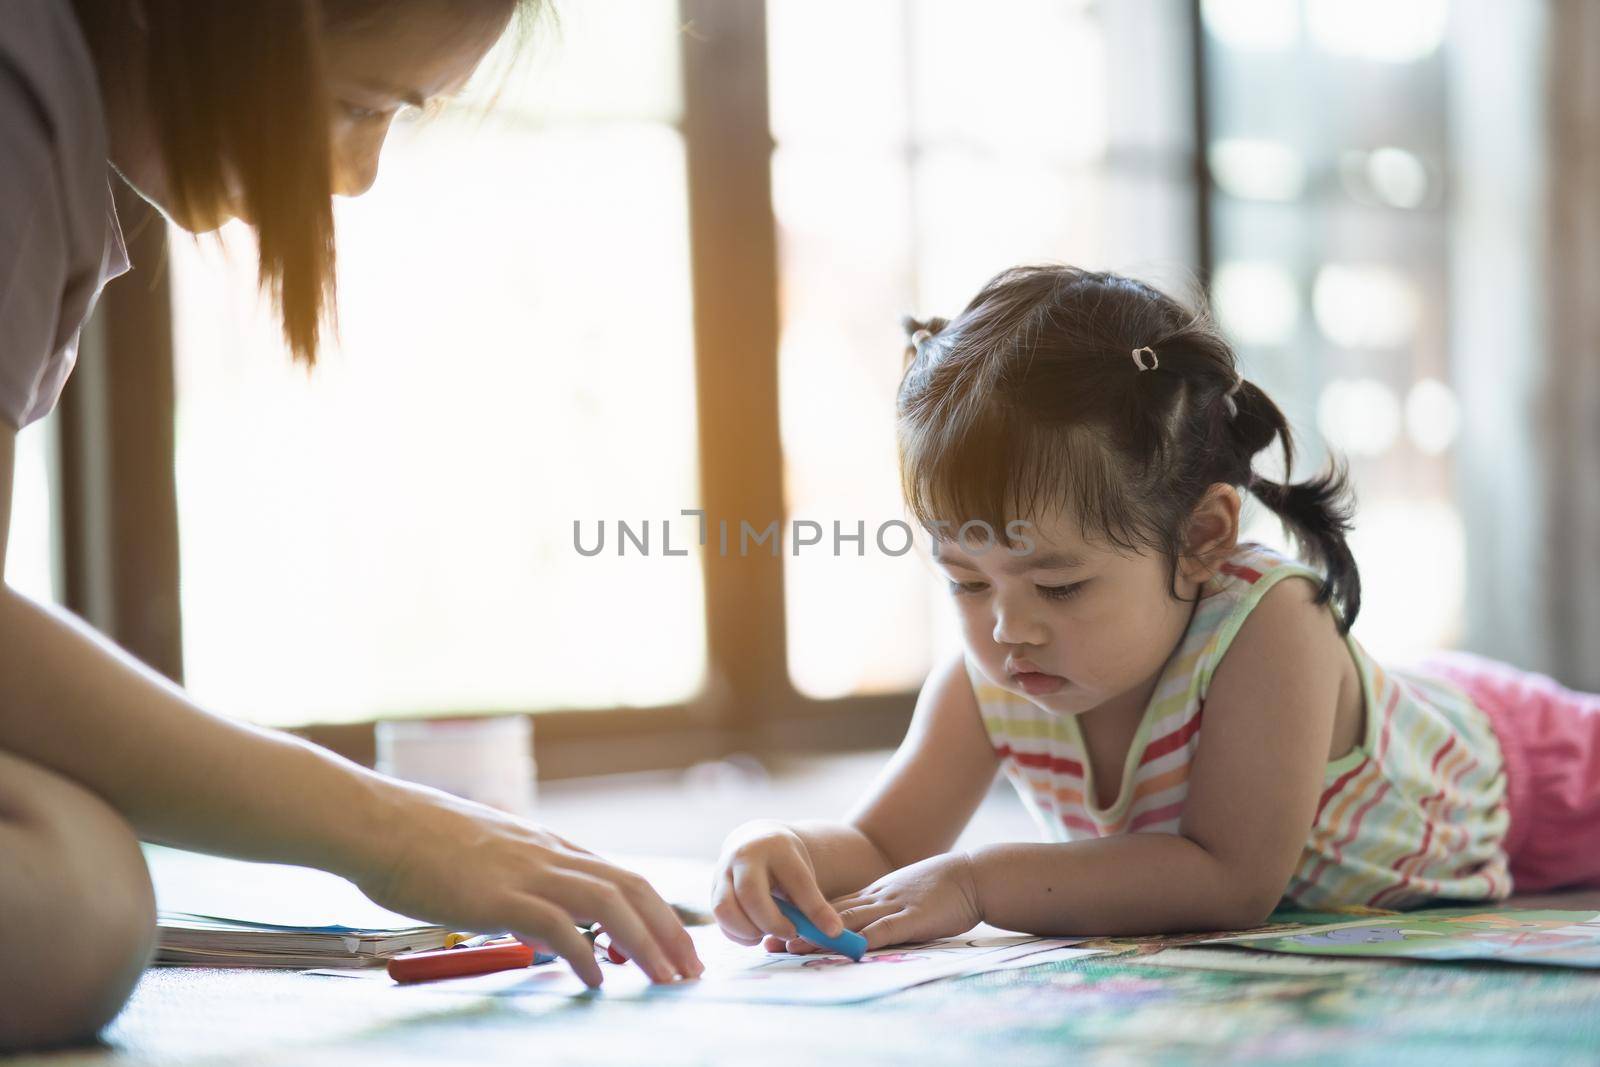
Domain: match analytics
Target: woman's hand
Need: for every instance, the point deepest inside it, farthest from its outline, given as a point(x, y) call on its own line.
point(934, 898)
point(757, 859)
point(186, 777)
point(471, 867)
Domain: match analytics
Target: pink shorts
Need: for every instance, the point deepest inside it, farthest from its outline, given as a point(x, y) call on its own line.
point(1551, 739)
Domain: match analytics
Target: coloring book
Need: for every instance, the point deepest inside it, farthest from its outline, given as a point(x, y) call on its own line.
point(753, 975)
point(1552, 938)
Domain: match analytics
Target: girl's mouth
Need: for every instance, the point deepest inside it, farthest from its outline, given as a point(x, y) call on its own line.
point(1037, 683)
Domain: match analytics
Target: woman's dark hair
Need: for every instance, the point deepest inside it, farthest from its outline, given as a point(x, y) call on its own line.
point(237, 91)
point(1030, 401)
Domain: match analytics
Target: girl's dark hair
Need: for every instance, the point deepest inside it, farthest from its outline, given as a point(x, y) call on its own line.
point(1030, 401)
point(237, 91)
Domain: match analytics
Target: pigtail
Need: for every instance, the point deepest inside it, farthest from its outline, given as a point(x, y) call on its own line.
point(918, 333)
point(1319, 512)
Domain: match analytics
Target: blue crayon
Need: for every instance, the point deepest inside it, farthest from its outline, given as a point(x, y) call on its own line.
point(848, 943)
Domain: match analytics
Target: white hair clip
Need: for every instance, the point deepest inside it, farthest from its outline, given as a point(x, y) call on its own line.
point(1138, 358)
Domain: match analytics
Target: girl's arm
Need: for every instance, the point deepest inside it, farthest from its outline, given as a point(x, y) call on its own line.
point(937, 778)
point(1253, 793)
point(923, 797)
point(918, 807)
point(72, 702)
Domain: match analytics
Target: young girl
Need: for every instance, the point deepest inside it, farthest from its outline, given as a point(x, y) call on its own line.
point(1186, 715)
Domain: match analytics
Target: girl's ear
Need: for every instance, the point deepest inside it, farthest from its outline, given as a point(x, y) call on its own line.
point(1213, 533)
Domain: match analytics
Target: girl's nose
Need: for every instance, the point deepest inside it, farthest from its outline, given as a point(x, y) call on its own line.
point(1016, 625)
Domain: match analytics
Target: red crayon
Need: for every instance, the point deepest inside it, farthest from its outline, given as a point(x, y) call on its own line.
point(456, 962)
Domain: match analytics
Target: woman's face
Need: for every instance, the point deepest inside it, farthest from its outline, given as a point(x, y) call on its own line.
point(376, 69)
point(419, 50)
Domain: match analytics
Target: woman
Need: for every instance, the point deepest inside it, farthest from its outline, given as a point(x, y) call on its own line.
point(211, 111)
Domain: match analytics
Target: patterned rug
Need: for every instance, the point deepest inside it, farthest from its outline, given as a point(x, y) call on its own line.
point(1153, 1004)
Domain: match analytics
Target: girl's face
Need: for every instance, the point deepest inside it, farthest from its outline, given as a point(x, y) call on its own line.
point(1069, 624)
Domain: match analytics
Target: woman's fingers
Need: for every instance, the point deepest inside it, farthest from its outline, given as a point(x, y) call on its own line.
point(546, 924)
point(657, 914)
point(595, 898)
point(564, 843)
point(799, 884)
point(754, 892)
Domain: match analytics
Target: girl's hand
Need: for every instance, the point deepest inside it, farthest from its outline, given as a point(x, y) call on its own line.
point(934, 898)
point(757, 859)
point(471, 867)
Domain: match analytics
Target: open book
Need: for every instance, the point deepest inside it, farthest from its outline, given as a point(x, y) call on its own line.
point(229, 913)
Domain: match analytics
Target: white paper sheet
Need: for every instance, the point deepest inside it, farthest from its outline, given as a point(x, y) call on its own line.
point(753, 975)
point(264, 894)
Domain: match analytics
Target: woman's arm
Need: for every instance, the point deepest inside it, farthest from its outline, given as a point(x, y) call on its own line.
point(1253, 792)
point(72, 702)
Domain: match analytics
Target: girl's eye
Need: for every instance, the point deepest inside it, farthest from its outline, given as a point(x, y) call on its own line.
point(1060, 592)
point(968, 588)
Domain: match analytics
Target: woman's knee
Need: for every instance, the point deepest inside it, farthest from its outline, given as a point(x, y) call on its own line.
point(76, 906)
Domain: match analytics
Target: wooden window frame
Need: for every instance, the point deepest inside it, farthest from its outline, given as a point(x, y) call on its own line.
point(118, 502)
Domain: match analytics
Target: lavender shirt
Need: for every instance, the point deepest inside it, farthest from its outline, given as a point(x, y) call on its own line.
point(59, 238)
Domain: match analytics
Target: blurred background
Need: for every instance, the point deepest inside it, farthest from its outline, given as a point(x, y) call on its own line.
point(665, 271)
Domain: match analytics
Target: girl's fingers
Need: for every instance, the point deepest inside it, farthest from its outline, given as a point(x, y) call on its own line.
point(754, 891)
point(657, 914)
point(595, 898)
point(848, 901)
point(797, 946)
point(884, 931)
point(799, 884)
point(543, 923)
point(858, 917)
point(730, 916)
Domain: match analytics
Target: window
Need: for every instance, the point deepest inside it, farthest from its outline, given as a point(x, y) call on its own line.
point(31, 556)
point(652, 279)
point(393, 533)
point(945, 144)
point(1327, 147)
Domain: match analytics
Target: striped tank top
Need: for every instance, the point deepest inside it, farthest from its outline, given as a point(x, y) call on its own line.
point(1414, 812)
